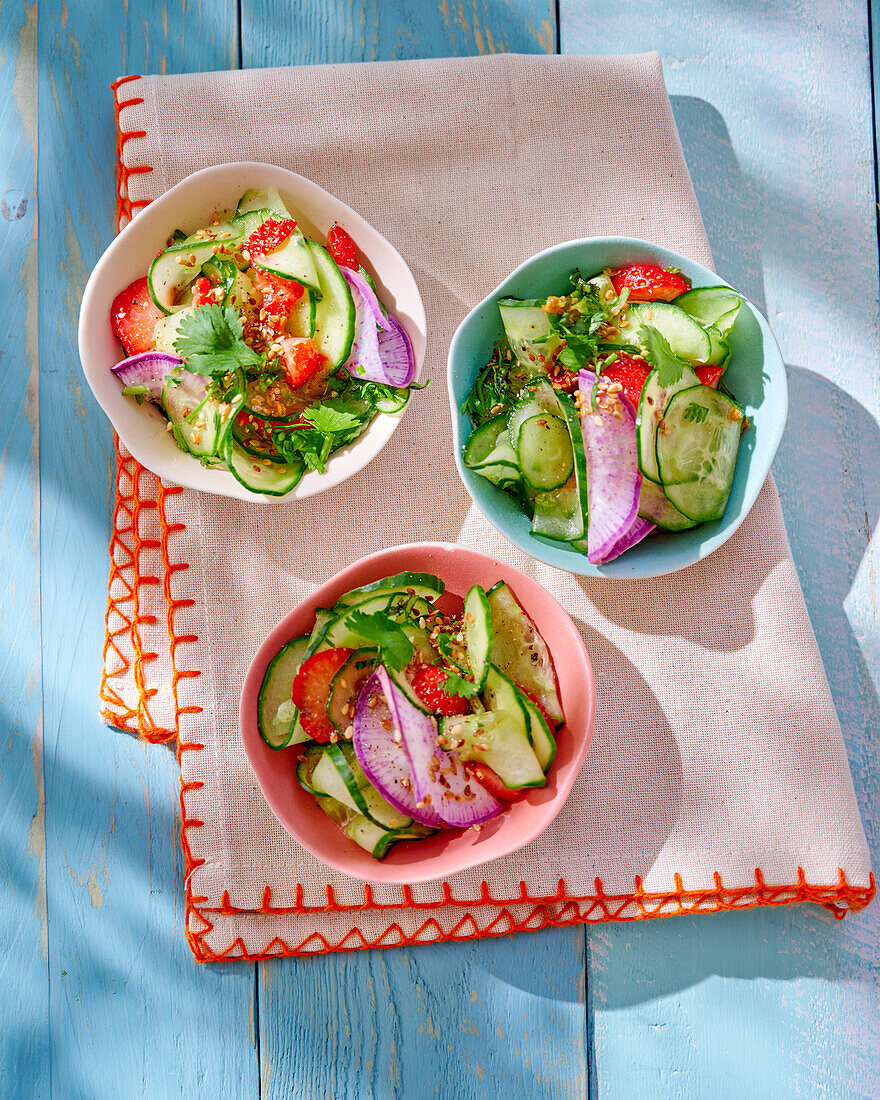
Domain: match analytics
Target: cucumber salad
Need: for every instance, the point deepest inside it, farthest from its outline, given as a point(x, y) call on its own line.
point(600, 411)
point(265, 351)
point(414, 719)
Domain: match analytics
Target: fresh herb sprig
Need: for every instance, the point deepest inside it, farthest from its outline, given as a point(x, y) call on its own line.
point(211, 340)
point(388, 636)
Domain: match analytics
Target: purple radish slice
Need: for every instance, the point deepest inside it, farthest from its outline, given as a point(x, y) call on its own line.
point(380, 351)
point(149, 369)
point(369, 301)
point(439, 777)
point(396, 352)
point(364, 360)
point(379, 748)
point(640, 528)
point(613, 476)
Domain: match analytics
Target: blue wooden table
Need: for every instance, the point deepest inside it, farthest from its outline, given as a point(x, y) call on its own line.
point(99, 995)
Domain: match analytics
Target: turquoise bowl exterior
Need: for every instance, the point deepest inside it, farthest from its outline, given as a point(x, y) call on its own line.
point(755, 377)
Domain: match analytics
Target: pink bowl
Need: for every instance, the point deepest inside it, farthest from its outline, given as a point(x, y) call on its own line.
point(448, 851)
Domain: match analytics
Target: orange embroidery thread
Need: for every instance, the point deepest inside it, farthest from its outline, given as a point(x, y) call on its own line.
point(557, 910)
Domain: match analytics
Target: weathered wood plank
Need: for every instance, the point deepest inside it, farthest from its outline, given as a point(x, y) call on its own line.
point(24, 990)
point(778, 138)
point(485, 1019)
point(130, 1014)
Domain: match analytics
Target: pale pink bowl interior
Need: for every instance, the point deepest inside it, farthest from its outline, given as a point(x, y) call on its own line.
point(449, 851)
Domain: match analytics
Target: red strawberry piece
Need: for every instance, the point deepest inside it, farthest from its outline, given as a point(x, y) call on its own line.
point(269, 236)
point(709, 376)
point(649, 283)
point(302, 359)
point(278, 296)
point(203, 292)
point(428, 685)
point(629, 374)
point(134, 316)
point(311, 689)
point(491, 780)
point(342, 248)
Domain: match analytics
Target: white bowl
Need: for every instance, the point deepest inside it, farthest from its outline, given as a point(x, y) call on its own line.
point(189, 206)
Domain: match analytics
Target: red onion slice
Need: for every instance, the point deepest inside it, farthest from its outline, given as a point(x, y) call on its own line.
point(613, 476)
point(148, 368)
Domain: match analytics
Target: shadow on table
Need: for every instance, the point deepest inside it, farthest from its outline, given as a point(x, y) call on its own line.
point(828, 474)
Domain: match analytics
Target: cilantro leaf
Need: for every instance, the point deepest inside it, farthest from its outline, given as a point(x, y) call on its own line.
point(389, 637)
point(328, 419)
point(696, 412)
point(211, 340)
point(660, 355)
point(457, 685)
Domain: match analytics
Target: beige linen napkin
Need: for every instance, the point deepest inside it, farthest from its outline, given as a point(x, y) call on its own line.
point(717, 775)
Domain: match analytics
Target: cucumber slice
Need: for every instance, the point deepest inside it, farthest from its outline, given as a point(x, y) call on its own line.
point(425, 585)
point(652, 403)
point(483, 441)
point(520, 653)
point(273, 479)
point(527, 327)
point(499, 740)
point(173, 270)
point(339, 775)
point(697, 448)
point(166, 330)
point(685, 336)
point(708, 304)
point(293, 260)
point(659, 509)
point(488, 453)
point(275, 690)
point(305, 767)
point(557, 513)
point(720, 350)
point(544, 452)
point(478, 633)
point(335, 312)
point(540, 738)
point(346, 685)
point(268, 202)
point(725, 322)
point(201, 420)
point(302, 317)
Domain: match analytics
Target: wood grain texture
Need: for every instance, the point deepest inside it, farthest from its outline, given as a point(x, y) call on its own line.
point(778, 139)
point(24, 991)
point(321, 31)
point(130, 1013)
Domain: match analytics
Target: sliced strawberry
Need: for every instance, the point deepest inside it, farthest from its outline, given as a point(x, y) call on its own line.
point(709, 376)
point(302, 359)
point(630, 374)
point(311, 689)
point(278, 296)
point(342, 248)
point(269, 236)
point(491, 780)
point(649, 283)
point(134, 316)
point(428, 685)
point(203, 292)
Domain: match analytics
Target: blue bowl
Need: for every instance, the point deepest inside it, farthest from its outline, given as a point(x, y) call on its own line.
point(755, 378)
